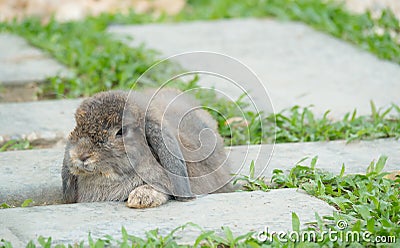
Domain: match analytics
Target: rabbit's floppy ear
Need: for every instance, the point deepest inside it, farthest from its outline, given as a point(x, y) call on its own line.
point(166, 148)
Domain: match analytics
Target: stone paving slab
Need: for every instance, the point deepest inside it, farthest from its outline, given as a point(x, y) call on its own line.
point(40, 122)
point(21, 63)
point(241, 211)
point(23, 67)
point(356, 156)
point(36, 174)
point(33, 174)
point(297, 65)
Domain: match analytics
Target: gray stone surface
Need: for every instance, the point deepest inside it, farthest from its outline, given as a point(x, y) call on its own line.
point(241, 211)
point(22, 68)
point(36, 174)
point(40, 122)
point(356, 156)
point(297, 65)
point(21, 63)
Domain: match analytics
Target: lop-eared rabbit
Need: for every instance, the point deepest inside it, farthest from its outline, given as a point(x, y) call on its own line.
point(144, 148)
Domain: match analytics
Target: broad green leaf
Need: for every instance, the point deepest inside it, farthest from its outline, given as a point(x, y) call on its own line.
point(99, 244)
point(386, 223)
point(371, 225)
point(45, 243)
point(363, 211)
point(357, 226)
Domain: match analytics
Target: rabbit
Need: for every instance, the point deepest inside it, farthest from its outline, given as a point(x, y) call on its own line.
point(144, 148)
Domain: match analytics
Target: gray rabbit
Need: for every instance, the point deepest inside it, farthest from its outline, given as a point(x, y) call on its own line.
point(144, 148)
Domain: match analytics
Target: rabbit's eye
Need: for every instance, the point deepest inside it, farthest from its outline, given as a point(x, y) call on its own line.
point(119, 133)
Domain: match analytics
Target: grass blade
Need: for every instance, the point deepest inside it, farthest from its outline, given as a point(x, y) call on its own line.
point(295, 222)
point(380, 164)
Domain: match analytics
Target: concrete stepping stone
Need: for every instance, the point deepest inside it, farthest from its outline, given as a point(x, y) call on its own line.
point(42, 123)
point(241, 211)
point(356, 156)
point(36, 174)
point(22, 68)
point(297, 65)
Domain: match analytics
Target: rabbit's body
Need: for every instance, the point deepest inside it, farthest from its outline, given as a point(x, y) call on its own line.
point(123, 143)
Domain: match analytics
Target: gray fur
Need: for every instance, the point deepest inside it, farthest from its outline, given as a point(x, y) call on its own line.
point(163, 149)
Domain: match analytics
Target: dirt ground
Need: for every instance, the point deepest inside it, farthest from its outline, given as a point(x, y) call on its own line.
point(65, 10)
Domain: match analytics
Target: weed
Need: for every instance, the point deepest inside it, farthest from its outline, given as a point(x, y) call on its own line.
point(300, 125)
point(12, 145)
point(25, 204)
point(250, 182)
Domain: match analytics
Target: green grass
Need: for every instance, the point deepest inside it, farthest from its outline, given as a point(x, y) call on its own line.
point(301, 125)
point(100, 62)
point(366, 203)
point(13, 145)
point(25, 204)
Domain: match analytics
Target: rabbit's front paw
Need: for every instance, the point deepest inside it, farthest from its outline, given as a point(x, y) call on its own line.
point(146, 197)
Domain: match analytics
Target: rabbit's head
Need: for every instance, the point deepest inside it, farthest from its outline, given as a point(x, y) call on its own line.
point(96, 144)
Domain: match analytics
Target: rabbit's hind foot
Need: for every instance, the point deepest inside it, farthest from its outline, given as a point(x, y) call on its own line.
point(146, 197)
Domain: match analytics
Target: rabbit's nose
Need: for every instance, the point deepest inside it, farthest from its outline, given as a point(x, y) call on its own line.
point(83, 157)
